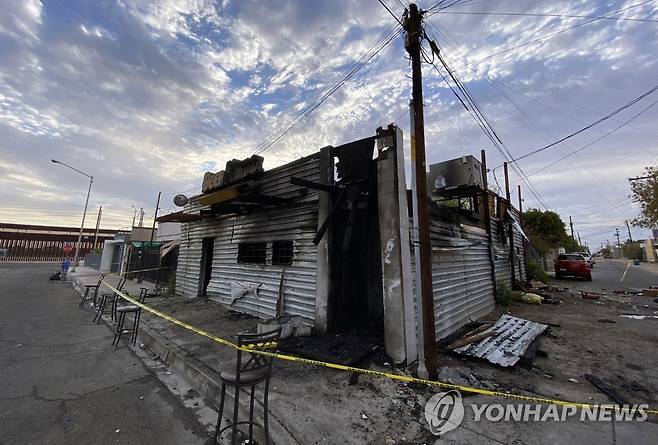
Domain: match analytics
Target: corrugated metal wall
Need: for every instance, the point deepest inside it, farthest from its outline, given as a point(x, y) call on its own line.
point(519, 259)
point(501, 252)
point(297, 222)
point(461, 277)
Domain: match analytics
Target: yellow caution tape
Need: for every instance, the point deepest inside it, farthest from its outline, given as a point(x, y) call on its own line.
point(370, 372)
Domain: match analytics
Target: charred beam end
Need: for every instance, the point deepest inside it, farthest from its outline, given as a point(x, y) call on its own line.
point(311, 184)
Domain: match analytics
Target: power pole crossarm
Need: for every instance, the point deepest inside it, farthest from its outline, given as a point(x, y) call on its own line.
point(413, 28)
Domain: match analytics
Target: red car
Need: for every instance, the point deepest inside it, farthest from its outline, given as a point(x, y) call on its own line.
point(572, 264)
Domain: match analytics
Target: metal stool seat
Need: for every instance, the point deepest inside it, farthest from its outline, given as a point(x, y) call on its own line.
point(121, 319)
point(257, 369)
point(109, 297)
point(250, 377)
point(88, 289)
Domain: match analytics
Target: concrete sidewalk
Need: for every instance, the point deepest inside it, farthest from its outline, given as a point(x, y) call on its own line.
point(87, 275)
point(317, 405)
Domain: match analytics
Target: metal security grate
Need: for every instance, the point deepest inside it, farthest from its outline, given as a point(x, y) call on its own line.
point(282, 253)
point(252, 253)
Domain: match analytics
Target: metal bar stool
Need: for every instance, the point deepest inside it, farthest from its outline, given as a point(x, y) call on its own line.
point(257, 369)
point(110, 297)
point(88, 289)
point(122, 311)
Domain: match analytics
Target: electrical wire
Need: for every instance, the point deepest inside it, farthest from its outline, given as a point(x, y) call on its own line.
point(523, 114)
point(587, 127)
point(560, 31)
point(275, 137)
point(477, 114)
point(635, 116)
point(571, 16)
point(381, 2)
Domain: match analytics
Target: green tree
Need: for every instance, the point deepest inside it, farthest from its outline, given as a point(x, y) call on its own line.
point(645, 193)
point(547, 231)
point(632, 250)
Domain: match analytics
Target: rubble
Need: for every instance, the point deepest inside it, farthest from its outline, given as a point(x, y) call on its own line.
point(512, 338)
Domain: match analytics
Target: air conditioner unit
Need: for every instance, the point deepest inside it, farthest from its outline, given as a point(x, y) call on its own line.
point(460, 172)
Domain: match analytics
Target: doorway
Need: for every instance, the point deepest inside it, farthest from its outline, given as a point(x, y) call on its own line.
point(357, 299)
point(205, 271)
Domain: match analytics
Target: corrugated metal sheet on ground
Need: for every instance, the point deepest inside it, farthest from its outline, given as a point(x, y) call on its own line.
point(505, 348)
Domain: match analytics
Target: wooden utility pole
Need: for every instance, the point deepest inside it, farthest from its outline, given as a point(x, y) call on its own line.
point(628, 226)
point(98, 223)
point(412, 26)
point(155, 216)
point(571, 225)
point(580, 243)
point(510, 226)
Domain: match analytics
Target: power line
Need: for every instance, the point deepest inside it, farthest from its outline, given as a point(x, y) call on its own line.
point(481, 119)
point(524, 14)
point(595, 140)
point(381, 2)
point(587, 127)
point(560, 31)
point(306, 111)
point(523, 114)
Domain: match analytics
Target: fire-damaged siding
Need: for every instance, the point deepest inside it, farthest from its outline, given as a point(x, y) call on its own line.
point(189, 256)
point(296, 222)
point(297, 225)
point(500, 235)
point(501, 252)
point(461, 277)
point(519, 254)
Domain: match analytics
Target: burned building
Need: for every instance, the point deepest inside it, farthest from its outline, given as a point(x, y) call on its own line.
point(329, 238)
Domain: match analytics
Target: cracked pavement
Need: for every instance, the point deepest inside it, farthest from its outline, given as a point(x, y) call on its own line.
point(63, 383)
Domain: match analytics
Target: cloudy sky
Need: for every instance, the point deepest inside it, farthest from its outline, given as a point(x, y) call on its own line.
point(148, 95)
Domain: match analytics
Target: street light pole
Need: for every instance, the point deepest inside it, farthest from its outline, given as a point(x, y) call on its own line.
point(84, 214)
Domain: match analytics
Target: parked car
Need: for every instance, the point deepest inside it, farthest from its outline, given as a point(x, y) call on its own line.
point(572, 264)
point(589, 259)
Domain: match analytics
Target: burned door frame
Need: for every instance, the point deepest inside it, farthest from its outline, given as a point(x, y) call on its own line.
point(205, 268)
point(356, 295)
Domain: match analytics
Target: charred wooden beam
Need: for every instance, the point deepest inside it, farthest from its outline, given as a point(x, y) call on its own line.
point(311, 184)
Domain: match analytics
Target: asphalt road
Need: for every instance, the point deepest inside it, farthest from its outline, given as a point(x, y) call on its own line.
point(609, 275)
point(61, 380)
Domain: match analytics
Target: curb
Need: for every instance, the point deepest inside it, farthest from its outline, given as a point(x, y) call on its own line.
point(201, 377)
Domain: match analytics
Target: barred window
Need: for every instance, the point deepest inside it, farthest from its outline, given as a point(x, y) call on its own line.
point(252, 253)
point(282, 253)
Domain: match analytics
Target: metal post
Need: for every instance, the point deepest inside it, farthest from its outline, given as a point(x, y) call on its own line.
point(98, 223)
point(487, 218)
point(157, 207)
point(84, 214)
point(510, 226)
point(523, 242)
point(412, 26)
point(520, 205)
point(628, 226)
